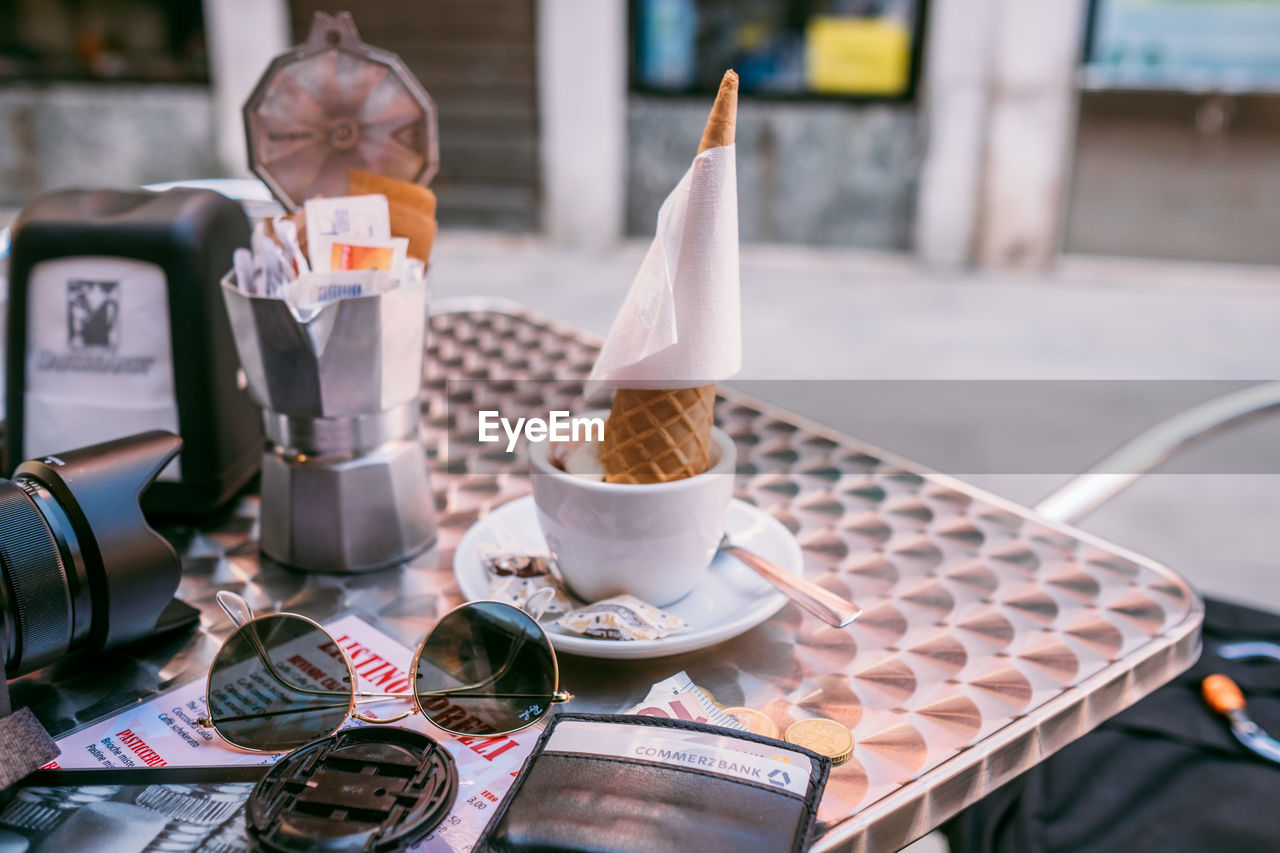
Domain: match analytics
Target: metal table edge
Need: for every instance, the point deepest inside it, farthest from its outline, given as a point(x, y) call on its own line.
point(1179, 648)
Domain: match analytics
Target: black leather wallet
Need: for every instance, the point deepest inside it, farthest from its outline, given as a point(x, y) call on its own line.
point(627, 783)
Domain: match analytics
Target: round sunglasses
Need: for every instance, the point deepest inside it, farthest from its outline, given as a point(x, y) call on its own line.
point(280, 680)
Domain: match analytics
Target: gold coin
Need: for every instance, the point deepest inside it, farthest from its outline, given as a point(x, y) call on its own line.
point(757, 722)
point(823, 736)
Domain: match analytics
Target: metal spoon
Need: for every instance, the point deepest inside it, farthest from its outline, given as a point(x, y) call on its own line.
point(824, 604)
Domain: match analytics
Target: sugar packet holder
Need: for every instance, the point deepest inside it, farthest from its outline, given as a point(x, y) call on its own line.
point(620, 783)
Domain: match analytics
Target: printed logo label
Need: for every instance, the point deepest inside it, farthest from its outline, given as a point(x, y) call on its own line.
point(93, 315)
point(99, 362)
point(735, 758)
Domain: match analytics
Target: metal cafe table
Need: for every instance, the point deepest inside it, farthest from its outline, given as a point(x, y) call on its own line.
point(991, 636)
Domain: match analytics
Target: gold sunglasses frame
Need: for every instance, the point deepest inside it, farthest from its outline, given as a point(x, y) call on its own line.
point(557, 695)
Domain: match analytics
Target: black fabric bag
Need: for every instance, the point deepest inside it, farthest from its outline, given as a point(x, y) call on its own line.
point(1164, 775)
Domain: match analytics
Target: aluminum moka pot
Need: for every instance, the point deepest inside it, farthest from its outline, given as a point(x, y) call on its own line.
point(345, 486)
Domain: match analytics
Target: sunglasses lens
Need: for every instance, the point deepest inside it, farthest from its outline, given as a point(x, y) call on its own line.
point(278, 682)
point(486, 668)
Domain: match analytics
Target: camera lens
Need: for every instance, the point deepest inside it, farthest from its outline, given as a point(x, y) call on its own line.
point(37, 618)
point(80, 568)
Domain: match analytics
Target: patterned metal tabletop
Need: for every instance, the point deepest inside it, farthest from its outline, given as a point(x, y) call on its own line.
point(990, 638)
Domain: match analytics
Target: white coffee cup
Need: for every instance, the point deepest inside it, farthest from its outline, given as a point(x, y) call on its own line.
point(652, 540)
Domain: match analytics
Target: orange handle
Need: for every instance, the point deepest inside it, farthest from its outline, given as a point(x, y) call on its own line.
point(1222, 694)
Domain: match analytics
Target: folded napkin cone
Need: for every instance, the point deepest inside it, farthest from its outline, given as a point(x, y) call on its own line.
point(680, 327)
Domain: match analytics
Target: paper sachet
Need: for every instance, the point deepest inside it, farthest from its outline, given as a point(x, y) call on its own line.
point(350, 252)
point(515, 578)
point(623, 617)
point(353, 218)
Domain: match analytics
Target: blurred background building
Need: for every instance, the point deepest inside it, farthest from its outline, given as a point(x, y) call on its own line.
point(995, 132)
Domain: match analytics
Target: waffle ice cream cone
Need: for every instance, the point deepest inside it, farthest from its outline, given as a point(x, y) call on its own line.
point(664, 434)
point(723, 120)
point(658, 436)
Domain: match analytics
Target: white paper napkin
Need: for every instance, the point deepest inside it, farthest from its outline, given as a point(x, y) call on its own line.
point(681, 323)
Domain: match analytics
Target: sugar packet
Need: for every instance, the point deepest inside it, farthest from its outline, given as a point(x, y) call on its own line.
point(623, 617)
point(320, 288)
point(515, 578)
point(345, 253)
point(353, 218)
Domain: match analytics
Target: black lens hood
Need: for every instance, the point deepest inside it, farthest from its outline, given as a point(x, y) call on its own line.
point(132, 570)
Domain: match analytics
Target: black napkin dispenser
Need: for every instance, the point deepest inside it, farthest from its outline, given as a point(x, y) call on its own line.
point(116, 327)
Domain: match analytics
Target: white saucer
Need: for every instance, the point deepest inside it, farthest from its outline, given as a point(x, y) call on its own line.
point(730, 600)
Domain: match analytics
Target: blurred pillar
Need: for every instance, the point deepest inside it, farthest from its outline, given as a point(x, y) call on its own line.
point(242, 36)
point(582, 107)
point(1030, 131)
point(955, 105)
